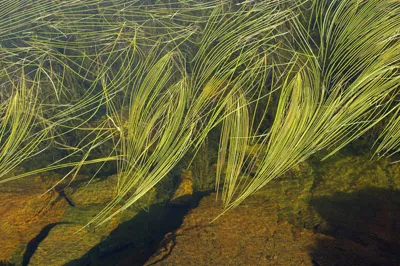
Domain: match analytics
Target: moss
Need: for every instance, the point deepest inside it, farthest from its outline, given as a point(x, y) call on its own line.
point(393, 172)
point(342, 173)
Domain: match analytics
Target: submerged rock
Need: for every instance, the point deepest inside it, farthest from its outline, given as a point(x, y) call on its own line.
point(24, 211)
point(184, 192)
point(340, 212)
point(344, 211)
point(41, 228)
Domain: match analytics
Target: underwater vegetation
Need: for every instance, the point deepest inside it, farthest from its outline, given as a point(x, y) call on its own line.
point(143, 85)
point(5, 263)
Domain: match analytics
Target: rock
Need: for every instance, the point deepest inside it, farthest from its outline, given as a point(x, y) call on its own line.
point(165, 248)
point(184, 192)
point(240, 237)
point(64, 243)
point(343, 211)
point(45, 229)
point(24, 211)
point(98, 191)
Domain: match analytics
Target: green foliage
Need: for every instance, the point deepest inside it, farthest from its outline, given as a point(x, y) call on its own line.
point(143, 85)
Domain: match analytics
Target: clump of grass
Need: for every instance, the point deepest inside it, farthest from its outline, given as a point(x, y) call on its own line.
point(151, 81)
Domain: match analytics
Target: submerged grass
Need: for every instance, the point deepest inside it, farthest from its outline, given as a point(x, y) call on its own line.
point(142, 84)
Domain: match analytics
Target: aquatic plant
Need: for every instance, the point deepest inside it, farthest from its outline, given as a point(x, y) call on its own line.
point(151, 80)
point(346, 84)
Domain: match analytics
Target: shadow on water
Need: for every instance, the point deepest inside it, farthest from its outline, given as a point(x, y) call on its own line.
point(365, 226)
point(135, 241)
point(34, 243)
point(5, 263)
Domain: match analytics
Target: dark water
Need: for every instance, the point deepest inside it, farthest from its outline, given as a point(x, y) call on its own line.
point(369, 217)
point(135, 241)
